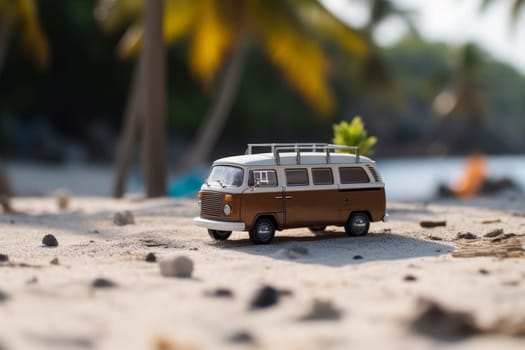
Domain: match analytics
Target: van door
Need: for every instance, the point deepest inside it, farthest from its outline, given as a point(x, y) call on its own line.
point(312, 203)
point(263, 196)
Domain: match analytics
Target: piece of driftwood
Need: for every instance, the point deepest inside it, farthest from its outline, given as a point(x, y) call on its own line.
point(429, 224)
point(507, 246)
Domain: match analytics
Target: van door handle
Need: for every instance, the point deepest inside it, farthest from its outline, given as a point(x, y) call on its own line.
point(288, 197)
point(278, 197)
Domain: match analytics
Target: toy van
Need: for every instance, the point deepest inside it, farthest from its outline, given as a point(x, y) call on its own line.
point(293, 185)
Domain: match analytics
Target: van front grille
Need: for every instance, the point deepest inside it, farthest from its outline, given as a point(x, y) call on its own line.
point(211, 203)
point(374, 173)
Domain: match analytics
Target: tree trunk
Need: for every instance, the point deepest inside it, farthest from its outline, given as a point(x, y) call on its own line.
point(6, 26)
point(211, 128)
point(129, 133)
point(152, 111)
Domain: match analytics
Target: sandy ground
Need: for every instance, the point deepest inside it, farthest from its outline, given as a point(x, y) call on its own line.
point(374, 284)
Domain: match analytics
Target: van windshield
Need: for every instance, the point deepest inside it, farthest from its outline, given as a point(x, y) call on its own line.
point(226, 176)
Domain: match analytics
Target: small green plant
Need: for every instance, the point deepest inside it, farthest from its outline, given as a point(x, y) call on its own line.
point(354, 134)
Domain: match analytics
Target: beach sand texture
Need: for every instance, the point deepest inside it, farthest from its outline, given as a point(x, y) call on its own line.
point(458, 285)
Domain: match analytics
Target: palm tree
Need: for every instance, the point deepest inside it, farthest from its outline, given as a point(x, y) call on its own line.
point(21, 15)
point(288, 31)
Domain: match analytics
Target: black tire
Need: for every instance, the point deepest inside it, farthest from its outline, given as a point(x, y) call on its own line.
point(317, 229)
point(219, 235)
point(358, 224)
point(263, 231)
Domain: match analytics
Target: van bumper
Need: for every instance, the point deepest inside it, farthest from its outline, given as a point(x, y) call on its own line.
point(219, 225)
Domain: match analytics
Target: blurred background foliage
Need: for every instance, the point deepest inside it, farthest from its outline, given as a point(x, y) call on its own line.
point(417, 97)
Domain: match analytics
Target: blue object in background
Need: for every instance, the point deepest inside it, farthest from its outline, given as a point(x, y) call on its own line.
point(188, 184)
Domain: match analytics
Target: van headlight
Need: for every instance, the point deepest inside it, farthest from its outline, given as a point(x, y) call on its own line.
point(227, 209)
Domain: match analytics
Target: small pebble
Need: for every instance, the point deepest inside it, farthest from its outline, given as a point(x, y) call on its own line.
point(3, 297)
point(483, 271)
point(54, 261)
point(180, 266)
point(435, 238)
point(94, 231)
point(220, 293)
point(410, 278)
point(3, 258)
point(294, 252)
point(494, 233)
point(32, 280)
point(241, 337)
point(322, 310)
point(103, 283)
point(265, 297)
point(62, 197)
point(50, 241)
point(150, 257)
point(466, 235)
point(122, 218)
point(357, 257)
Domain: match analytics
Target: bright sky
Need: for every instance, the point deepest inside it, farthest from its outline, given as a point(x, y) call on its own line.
point(456, 21)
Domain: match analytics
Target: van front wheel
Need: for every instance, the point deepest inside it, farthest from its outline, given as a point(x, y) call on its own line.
point(219, 235)
point(358, 224)
point(263, 231)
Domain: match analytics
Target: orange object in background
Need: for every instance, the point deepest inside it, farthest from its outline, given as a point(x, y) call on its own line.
point(472, 177)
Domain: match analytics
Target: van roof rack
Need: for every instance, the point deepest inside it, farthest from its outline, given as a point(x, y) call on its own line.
point(277, 148)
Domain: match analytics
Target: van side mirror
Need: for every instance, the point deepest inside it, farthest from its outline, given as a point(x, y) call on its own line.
point(251, 181)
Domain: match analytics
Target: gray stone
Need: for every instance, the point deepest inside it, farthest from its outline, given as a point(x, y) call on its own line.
point(294, 252)
point(322, 310)
point(180, 266)
point(50, 241)
point(4, 258)
point(122, 218)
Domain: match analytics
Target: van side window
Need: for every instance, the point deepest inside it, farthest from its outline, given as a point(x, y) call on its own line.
point(265, 178)
point(352, 175)
point(322, 176)
point(296, 177)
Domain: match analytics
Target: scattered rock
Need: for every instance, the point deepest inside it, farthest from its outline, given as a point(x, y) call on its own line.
point(435, 238)
point(194, 248)
point(50, 241)
point(322, 310)
point(103, 283)
point(294, 252)
point(436, 321)
point(494, 233)
point(512, 283)
point(32, 280)
point(502, 238)
point(94, 231)
point(4, 258)
point(519, 214)
point(62, 197)
point(241, 337)
point(151, 258)
point(220, 293)
point(180, 266)
point(3, 297)
point(122, 218)
point(483, 271)
point(466, 235)
point(357, 257)
point(265, 297)
point(54, 261)
point(495, 221)
point(410, 278)
point(430, 224)
point(387, 230)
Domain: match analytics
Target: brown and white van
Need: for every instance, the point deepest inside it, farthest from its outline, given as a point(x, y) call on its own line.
point(293, 185)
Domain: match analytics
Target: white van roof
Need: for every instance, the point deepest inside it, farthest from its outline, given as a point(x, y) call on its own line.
point(290, 158)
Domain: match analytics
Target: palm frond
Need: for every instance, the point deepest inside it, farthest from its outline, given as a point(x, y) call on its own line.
point(291, 49)
point(211, 38)
point(34, 40)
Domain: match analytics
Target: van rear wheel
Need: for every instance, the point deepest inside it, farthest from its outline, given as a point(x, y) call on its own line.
point(358, 224)
point(219, 235)
point(263, 231)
